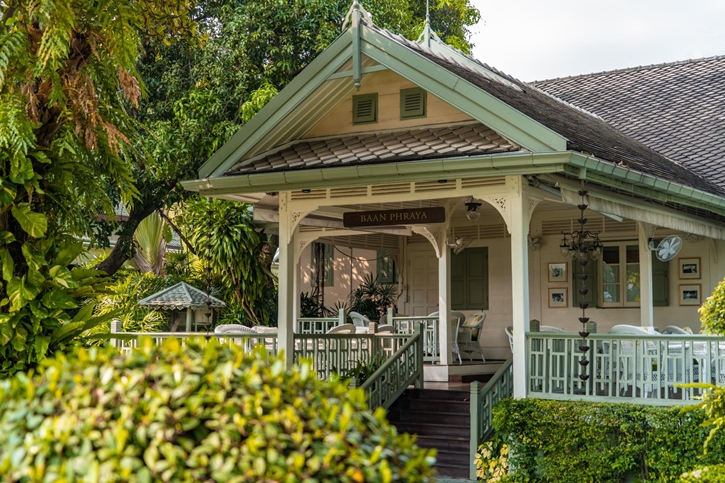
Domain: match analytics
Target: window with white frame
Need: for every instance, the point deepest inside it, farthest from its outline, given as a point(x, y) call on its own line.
point(619, 275)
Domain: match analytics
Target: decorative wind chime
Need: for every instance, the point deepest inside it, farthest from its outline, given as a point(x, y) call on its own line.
point(582, 245)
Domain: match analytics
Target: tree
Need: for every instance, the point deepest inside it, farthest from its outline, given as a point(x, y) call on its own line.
point(237, 256)
point(199, 94)
point(68, 72)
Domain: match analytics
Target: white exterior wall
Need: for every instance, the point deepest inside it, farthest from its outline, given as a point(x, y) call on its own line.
point(349, 272)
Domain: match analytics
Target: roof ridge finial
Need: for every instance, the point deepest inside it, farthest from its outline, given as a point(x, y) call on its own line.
point(362, 14)
point(427, 34)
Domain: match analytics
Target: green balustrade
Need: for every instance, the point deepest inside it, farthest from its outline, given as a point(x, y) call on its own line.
point(646, 369)
point(401, 369)
point(483, 399)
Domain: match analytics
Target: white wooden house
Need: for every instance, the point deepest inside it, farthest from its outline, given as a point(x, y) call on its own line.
point(379, 123)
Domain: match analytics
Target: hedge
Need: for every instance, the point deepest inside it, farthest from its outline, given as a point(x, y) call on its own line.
point(599, 442)
point(199, 413)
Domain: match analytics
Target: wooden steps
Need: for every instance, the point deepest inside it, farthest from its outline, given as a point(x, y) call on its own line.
point(441, 419)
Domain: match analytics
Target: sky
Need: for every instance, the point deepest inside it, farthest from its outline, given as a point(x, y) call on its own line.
point(543, 39)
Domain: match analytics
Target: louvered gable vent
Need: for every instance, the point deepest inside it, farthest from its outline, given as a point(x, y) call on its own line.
point(364, 109)
point(412, 103)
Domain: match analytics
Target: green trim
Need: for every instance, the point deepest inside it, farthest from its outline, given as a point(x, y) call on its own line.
point(418, 109)
point(466, 97)
point(365, 109)
point(307, 81)
point(404, 171)
point(640, 183)
point(461, 94)
point(365, 70)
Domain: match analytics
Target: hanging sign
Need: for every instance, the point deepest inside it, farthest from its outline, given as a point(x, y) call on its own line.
point(410, 216)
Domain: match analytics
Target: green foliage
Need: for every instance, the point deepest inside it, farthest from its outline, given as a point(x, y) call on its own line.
point(492, 460)
point(195, 413)
point(712, 312)
point(373, 298)
point(201, 93)
point(711, 474)
point(130, 287)
point(582, 441)
point(67, 75)
point(47, 306)
point(364, 369)
point(237, 254)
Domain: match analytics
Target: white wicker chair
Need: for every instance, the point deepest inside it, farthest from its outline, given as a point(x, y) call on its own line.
point(469, 333)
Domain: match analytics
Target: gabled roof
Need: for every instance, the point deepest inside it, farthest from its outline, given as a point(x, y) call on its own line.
point(676, 108)
point(380, 147)
point(180, 296)
point(523, 114)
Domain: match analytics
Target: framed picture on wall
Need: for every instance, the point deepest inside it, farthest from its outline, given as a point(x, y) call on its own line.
point(690, 294)
point(557, 272)
point(689, 267)
point(557, 298)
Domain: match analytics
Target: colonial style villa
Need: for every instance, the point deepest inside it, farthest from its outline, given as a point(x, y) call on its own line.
point(413, 155)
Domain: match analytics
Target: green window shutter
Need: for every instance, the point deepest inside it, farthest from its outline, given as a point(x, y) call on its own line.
point(660, 283)
point(365, 109)
point(412, 103)
point(592, 283)
point(477, 283)
point(469, 279)
point(458, 280)
point(329, 265)
point(385, 267)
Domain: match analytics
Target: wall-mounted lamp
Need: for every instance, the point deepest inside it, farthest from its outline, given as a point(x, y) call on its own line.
point(472, 209)
point(306, 190)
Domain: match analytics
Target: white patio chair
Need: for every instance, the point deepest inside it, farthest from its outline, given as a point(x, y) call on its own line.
point(458, 318)
point(342, 329)
point(469, 333)
point(233, 329)
point(359, 320)
point(510, 333)
point(386, 329)
point(644, 378)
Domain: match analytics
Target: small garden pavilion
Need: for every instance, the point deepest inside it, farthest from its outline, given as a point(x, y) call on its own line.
point(184, 297)
point(390, 144)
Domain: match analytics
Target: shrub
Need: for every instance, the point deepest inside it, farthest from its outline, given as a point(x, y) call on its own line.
point(583, 441)
point(198, 413)
point(712, 312)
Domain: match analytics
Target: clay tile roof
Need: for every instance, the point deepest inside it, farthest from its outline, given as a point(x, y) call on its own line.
point(677, 108)
point(180, 296)
point(468, 139)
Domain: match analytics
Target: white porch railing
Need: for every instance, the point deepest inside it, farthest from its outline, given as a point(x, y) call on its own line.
point(319, 325)
point(644, 369)
point(329, 352)
point(431, 345)
point(125, 341)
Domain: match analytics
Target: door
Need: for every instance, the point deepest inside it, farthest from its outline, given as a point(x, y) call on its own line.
point(422, 280)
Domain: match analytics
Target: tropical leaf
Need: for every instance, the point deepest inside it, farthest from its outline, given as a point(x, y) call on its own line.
point(58, 299)
point(34, 224)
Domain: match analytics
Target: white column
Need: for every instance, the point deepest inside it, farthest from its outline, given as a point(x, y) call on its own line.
point(286, 276)
point(518, 207)
point(444, 307)
point(646, 301)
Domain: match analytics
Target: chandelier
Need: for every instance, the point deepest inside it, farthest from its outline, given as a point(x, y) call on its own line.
point(582, 245)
